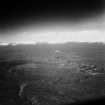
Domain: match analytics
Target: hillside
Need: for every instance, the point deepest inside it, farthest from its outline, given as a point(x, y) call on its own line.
point(52, 74)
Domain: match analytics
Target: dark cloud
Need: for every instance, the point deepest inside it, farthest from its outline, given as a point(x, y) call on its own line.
point(19, 14)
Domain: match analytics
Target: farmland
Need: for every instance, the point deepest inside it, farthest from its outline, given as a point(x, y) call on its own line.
point(51, 74)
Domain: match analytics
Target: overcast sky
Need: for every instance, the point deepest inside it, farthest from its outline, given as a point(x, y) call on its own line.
point(75, 21)
point(58, 32)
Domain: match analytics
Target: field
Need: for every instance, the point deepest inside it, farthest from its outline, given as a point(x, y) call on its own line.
point(52, 74)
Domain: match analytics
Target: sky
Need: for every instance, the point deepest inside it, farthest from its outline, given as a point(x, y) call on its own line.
point(77, 21)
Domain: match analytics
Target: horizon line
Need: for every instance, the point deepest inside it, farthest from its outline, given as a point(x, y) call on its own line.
point(36, 43)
